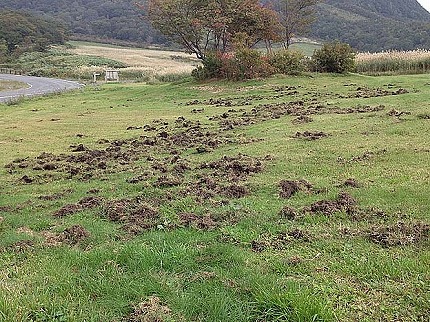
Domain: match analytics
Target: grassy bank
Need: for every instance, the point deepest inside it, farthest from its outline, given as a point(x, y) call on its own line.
point(288, 199)
point(11, 85)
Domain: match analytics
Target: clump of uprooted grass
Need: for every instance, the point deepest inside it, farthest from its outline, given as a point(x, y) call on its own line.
point(394, 62)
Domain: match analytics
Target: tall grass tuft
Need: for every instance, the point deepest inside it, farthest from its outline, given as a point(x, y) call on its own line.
point(394, 62)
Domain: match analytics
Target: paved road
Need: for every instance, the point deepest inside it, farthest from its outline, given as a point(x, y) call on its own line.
point(36, 86)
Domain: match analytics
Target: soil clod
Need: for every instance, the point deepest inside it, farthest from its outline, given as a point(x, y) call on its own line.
point(399, 234)
point(343, 202)
point(289, 187)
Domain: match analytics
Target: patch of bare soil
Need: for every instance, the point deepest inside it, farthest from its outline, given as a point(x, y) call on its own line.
point(20, 246)
point(73, 235)
point(5, 209)
point(119, 155)
point(224, 177)
point(291, 187)
point(205, 222)
point(279, 241)
point(85, 203)
point(366, 156)
point(151, 310)
point(424, 116)
point(343, 202)
point(135, 215)
point(56, 196)
point(399, 234)
point(366, 92)
point(288, 213)
point(302, 119)
point(351, 182)
point(396, 113)
point(311, 136)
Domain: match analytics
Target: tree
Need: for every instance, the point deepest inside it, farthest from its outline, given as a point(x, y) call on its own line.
point(20, 32)
point(295, 16)
point(204, 26)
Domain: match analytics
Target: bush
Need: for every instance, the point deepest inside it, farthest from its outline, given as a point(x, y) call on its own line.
point(334, 57)
point(288, 62)
point(245, 63)
point(211, 68)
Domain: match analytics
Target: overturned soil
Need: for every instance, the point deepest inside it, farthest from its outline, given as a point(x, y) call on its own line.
point(399, 234)
point(291, 187)
point(311, 136)
point(344, 202)
point(150, 310)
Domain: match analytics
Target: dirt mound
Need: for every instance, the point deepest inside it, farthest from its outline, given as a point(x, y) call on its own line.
point(205, 222)
point(223, 177)
point(424, 116)
point(302, 119)
point(396, 113)
point(167, 181)
point(310, 135)
point(20, 246)
point(73, 235)
point(350, 182)
point(135, 215)
point(85, 203)
point(289, 187)
point(151, 310)
point(234, 168)
point(399, 234)
point(67, 210)
point(288, 213)
point(343, 202)
point(366, 92)
point(56, 196)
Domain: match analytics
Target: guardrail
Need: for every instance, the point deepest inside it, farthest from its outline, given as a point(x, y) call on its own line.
point(11, 71)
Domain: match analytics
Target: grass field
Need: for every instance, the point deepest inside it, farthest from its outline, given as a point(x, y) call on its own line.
point(287, 199)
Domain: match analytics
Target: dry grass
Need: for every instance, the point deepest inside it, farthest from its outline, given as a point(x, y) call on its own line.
point(159, 62)
point(11, 85)
point(405, 62)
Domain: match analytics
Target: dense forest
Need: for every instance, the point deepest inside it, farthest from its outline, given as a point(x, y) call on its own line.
point(20, 32)
point(368, 25)
point(97, 19)
point(374, 25)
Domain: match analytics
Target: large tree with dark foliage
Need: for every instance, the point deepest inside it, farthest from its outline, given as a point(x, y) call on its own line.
point(203, 26)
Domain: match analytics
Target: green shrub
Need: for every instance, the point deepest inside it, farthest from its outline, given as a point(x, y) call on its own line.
point(245, 63)
point(290, 62)
point(211, 68)
point(334, 57)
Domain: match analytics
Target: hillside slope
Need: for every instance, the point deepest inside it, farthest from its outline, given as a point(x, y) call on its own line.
point(368, 25)
point(103, 19)
point(374, 25)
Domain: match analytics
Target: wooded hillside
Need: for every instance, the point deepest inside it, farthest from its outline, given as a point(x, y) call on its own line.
point(374, 25)
point(368, 25)
point(21, 32)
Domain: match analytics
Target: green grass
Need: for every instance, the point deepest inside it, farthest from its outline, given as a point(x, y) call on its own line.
point(307, 48)
point(334, 274)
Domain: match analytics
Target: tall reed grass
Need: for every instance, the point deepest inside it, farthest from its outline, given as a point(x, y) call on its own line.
point(394, 62)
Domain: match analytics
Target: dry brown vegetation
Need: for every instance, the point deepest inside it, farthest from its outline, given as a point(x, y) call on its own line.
point(159, 62)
